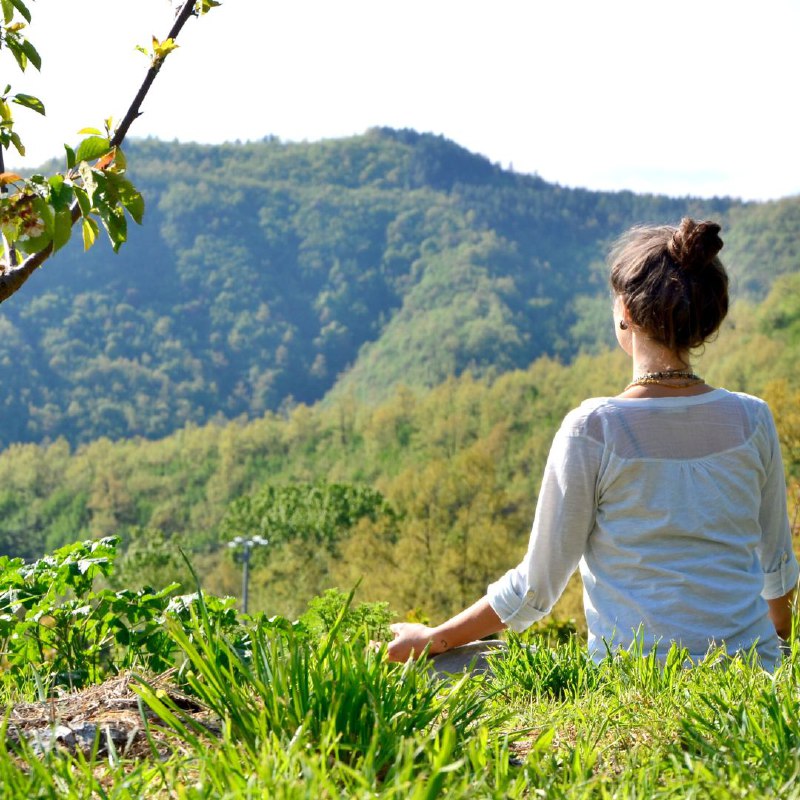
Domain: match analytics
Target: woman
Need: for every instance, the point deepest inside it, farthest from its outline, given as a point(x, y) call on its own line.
point(670, 497)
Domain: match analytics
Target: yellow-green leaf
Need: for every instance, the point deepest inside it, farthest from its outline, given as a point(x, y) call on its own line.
point(204, 6)
point(83, 200)
point(62, 229)
point(90, 231)
point(162, 49)
point(92, 147)
point(17, 142)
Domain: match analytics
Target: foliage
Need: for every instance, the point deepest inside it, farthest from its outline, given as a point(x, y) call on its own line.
point(358, 264)
point(302, 717)
point(458, 465)
point(762, 244)
point(779, 314)
point(150, 558)
point(540, 670)
point(334, 694)
point(54, 623)
point(332, 610)
point(317, 514)
point(36, 219)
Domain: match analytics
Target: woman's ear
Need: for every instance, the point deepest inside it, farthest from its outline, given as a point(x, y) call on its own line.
point(620, 313)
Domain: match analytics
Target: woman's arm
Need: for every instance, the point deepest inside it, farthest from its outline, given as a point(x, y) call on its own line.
point(473, 623)
point(780, 612)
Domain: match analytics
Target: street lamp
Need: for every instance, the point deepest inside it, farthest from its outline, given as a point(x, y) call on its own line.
point(247, 543)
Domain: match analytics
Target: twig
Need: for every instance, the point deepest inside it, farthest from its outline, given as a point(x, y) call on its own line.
point(15, 275)
point(187, 10)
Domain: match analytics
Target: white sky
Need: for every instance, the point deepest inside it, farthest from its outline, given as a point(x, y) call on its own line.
point(670, 96)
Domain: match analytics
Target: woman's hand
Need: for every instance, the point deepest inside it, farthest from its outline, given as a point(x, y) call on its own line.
point(410, 639)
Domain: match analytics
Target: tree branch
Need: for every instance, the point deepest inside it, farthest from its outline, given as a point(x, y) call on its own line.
point(14, 275)
point(187, 10)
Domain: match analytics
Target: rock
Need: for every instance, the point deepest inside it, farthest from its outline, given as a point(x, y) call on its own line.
point(470, 658)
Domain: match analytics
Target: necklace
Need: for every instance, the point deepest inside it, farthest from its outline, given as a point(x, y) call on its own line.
point(667, 378)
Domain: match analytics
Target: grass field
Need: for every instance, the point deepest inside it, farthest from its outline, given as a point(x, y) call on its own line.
point(260, 707)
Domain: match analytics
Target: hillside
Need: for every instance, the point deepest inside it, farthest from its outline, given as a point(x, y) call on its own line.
point(266, 271)
point(460, 464)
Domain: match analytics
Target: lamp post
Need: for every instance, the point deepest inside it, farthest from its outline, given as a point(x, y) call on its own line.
point(246, 543)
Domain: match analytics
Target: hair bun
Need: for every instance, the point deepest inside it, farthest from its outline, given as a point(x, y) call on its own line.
point(694, 245)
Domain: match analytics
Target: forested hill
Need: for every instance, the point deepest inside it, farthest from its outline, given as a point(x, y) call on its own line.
point(266, 271)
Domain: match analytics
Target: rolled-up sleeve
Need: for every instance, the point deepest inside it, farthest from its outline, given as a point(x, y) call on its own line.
point(777, 557)
point(564, 518)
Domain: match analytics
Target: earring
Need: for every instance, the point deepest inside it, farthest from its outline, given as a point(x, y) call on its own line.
point(623, 326)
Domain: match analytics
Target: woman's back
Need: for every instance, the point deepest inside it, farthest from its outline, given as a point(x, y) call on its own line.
point(690, 514)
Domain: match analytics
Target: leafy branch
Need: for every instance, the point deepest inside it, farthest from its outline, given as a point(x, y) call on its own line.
point(37, 219)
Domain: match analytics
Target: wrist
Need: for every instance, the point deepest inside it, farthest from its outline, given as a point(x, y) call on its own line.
point(439, 642)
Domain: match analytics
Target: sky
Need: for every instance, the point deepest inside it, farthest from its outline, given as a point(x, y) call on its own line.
point(677, 97)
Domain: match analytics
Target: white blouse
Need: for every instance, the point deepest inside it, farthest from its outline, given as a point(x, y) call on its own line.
point(675, 510)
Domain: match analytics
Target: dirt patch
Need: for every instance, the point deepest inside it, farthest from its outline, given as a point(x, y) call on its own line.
point(109, 717)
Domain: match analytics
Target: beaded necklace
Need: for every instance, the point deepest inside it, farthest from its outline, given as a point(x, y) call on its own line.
point(685, 378)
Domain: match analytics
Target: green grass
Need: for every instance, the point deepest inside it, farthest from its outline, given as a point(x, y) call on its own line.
point(308, 710)
point(308, 718)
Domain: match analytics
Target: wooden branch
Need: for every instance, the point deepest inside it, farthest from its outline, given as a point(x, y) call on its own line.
point(12, 278)
point(14, 275)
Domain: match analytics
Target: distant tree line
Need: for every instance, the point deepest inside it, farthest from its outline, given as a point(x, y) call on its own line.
point(421, 498)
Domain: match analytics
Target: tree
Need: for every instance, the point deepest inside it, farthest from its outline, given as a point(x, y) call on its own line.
point(37, 217)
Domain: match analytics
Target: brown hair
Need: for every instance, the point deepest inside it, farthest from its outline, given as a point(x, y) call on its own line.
point(671, 281)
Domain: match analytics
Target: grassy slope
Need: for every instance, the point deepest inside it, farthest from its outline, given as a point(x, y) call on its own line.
point(329, 718)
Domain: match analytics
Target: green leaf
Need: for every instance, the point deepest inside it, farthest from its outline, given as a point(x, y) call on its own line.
point(92, 147)
point(60, 192)
point(91, 178)
point(83, 201)
point(10, 228)
point(17, 142)
point(46, 214)
point(22, 8)
point(62, 229)
point(32, 53)
point(15, 46)
point(115, 224)
point(29, 101)
point(134, 205)
point(88, 131)
point(90, 231)
point(34, 244)
point(120, 161)
point(55, 182)
point(8, 11)
point(128, 195)
point(70, 156)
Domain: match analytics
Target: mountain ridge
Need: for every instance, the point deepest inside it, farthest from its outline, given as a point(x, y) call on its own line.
point(267, 273)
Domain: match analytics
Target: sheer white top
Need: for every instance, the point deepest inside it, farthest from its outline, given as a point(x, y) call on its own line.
point(675, 510)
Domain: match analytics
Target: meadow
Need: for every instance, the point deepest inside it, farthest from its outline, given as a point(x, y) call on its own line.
point(129, 694)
